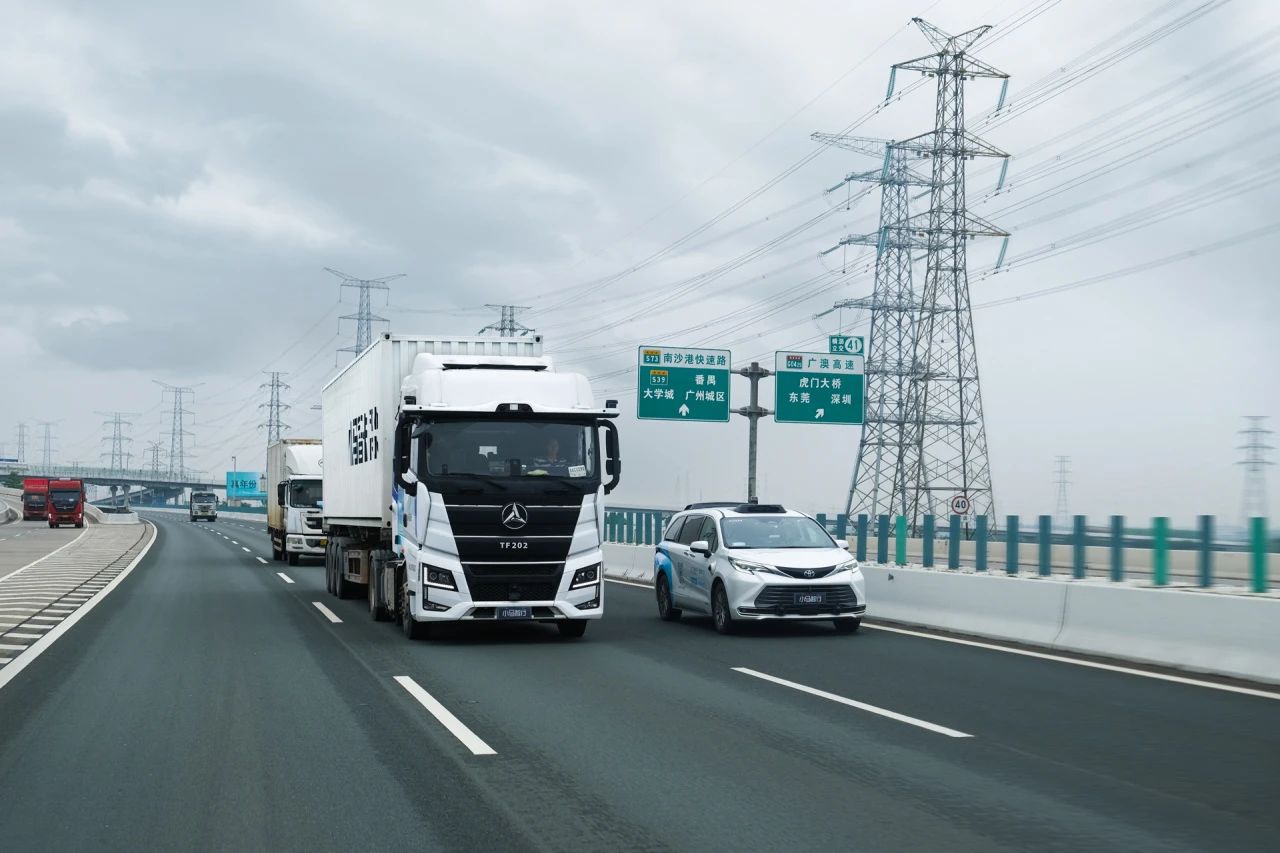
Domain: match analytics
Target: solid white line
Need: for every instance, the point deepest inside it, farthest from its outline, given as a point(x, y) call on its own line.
point(328, 614)
point(1160, 676)
point(36, 649)
point(242, 548)
point(469, 738)
point(285, 577)
point(893, 715)
point(260, 560)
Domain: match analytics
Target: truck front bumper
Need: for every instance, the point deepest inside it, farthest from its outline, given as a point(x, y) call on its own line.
point(309, 545)
point(441, 605)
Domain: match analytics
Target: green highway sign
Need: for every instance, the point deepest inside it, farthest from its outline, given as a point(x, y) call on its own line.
point(818, 388)
point(680, 384)
point(845, 344)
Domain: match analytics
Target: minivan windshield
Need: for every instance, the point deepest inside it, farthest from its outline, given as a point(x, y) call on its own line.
point(778, 531)
point(502, 449)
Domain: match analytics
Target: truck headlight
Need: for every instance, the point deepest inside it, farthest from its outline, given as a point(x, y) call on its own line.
point(440, 578)
point(585, 576)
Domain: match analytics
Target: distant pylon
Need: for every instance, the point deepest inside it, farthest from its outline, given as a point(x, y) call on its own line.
point(177, 395)
point(1255, 462)
point(364, 316)
point(945, 409)
point(46, 446)
point(274, 406)
point(886, 452)
point(22, 443)
point(507, 327)
point(154, 449)
point(118, 455)
point(1061, 470)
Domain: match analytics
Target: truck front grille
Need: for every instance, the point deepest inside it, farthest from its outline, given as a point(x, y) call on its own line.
point(530, 590)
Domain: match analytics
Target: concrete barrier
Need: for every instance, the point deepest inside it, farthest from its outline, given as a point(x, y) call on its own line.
point(118, 518)
point(222, 513)
point(1221, 633)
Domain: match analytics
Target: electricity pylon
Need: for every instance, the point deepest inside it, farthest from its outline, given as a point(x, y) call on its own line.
point(274, 406)
point(178, 433)
point(507, 327)
point(46, 446)
point(1255, 462)
point(119, 455)
point(886, 453)
point(364, 316)
point(1062, 512)
point(945, 408)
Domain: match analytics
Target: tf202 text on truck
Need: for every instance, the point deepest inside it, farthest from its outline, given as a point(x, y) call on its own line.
point(464, 479)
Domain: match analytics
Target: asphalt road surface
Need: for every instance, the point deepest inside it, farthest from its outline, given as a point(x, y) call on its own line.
point(208, 703)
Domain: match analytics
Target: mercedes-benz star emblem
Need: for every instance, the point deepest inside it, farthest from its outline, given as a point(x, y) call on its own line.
point(514, 516)
point(809, 573)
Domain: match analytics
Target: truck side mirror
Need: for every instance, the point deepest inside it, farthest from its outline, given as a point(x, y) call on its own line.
point(400, 456)
point(612, 456)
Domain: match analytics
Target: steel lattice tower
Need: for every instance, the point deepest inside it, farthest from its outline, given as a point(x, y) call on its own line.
point(507, 327)
point(274, 406)
point(945, 408)
point(154, 449)
point(364, 316)
point(1255, 462)
point(886, 452)
point(177, 425)
point(1062, 469)
point(22, 443)
point(119, 455)
point(46, 447)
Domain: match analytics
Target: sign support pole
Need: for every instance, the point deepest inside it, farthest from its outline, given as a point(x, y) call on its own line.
point(753, 413)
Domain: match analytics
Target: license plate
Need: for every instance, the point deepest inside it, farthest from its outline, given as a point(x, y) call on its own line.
point(810, 598)
point(514, 613)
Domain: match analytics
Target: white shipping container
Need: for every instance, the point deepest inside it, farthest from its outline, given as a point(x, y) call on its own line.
point(359, 408)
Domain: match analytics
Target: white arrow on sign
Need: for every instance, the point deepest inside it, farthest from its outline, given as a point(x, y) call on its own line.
point(821, 413)
point(684, 410)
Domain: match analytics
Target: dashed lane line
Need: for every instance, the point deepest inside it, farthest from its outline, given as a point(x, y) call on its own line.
point(284, 577)
point(260, 560)
point(455, 726)
point(328, 614)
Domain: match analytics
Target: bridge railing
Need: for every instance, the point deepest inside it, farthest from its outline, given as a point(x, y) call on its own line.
point(1117, 551)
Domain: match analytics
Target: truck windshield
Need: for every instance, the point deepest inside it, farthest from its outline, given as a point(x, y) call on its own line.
point(507, 449)
point(67, 496)
point(33, 500)
point(305, 493)
point(788, 531)
point(204, 498)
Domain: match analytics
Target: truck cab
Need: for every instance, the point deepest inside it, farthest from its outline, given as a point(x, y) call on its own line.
point(66, 503)
point(204, 505)
point(35, 498)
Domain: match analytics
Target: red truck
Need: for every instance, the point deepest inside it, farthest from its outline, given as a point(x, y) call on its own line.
point(66, 502)
point(35, 498)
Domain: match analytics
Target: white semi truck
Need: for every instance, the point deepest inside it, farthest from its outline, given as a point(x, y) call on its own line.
point(464, 479)
point(294, 492)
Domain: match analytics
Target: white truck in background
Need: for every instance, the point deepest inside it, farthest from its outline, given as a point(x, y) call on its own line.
point(294, 492)
point(464, 480)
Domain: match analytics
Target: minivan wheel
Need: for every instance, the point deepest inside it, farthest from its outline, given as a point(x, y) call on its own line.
point(572, 627)
point(720, 610)
point(666, 612)
point(847, 626)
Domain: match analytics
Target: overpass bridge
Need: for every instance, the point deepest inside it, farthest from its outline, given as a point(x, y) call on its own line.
point(157, 483)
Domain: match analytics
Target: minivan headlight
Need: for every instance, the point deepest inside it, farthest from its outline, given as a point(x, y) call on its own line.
point(847, 566)
point(747, 567)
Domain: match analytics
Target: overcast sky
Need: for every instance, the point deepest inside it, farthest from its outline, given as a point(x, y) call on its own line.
point(176, 176)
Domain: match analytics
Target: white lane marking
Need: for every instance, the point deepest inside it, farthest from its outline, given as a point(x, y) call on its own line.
point(285, 577)
point(328, 614)
point(15, 635)
point(234, 542)
point(455, 726)
point(892, 715)
point(38, 648)
point(1160, 676)
point(242, 548)
point(16, 572)
point(260, 560)
point(8, 647)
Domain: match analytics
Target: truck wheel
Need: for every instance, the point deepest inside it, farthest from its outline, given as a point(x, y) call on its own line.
point(341, 586)
point(328, 567)
point(292, 557)
point(276, 553)
point(80, 524)
point(413, 629)
point(377, 610)
point(572, 627)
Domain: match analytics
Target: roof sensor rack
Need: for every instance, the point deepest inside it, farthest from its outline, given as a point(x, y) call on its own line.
point(769, 508)
point(713, 505)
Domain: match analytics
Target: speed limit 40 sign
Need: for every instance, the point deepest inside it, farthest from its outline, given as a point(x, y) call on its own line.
point(960, 505)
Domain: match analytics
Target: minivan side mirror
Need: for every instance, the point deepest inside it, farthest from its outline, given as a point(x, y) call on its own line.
point(702, 547)
point(843, 543)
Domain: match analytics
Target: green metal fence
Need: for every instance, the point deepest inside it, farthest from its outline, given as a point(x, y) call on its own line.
point(872, 537)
